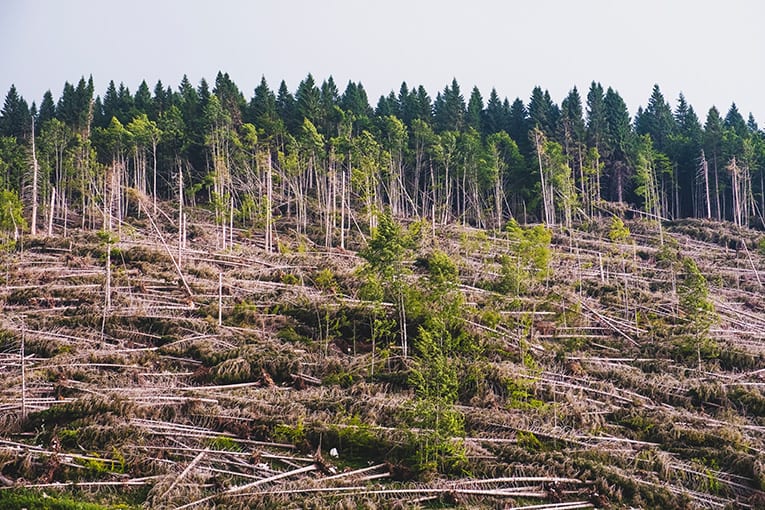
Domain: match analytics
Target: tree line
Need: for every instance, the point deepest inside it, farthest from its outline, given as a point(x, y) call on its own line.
point(322, 156)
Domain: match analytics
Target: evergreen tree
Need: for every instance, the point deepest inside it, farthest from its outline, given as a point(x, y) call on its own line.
point(713, 141)
point(286, 107)
point(125, 106)
point(330, 113)
point(449, 109)
point(474, 114)
point(518, 126)
point(572, 123)
point(407, 104)
point(596, 117)
point(493, 118)
point(752, 124)
point(618, 139)
point(354, 100)
point(308, 99)
point(543, 113)
point(47, 108)
point(142, 102)
point(230, 97)
point(161, 100)
point(384, 107)
point(735, 121)
point(109, 105)
point(262, 111)
point(424, 105)
point(656, 121)
point(684, 149)
point(15, 120)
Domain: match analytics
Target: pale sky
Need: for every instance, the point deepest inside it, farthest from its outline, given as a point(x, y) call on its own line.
point(711, 50)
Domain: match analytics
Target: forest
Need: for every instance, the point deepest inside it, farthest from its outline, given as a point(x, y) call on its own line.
point(301, 301)
point(475, 162)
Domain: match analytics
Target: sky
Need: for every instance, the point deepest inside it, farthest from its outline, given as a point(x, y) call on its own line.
point(710, 50)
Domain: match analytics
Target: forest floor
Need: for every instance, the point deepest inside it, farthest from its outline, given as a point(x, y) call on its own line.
point(589, 387)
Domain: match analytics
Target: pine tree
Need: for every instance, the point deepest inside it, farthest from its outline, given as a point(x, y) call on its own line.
point(518, 126)
point(308, 99)
point(713, 138)
point(684, 148)
point(47, 109)
point(657, 121)
point(493, 119)
point(143, 102)
point(231, 99)
point(596, 117)
point(543, 113)
point(735, 121)
point(286, 107)
point(14, 117)
point(618, 140)
point(474, 114)
point(262, 110)
point(449, 109)
point(161, 100)
point(424, 105)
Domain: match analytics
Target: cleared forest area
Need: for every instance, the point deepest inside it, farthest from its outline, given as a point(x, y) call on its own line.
point(613, 364)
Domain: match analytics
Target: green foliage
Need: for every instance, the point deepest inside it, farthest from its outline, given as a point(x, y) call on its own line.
point(23, 499)
point(292, 434)
point(434, 376)
point(435, 382)
point(101, 468)
point(761, 246)
point(224, 443)
point(442, 269)
point(528, 441)
point(530, 260)
point(693, 295)
point(325, 280)
point(618, 232)
point(389, 243)
point(290, 279)
point(520, 394)
point(12, 221)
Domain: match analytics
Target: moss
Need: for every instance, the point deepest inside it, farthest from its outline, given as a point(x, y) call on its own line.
point(18, 499)
point(224, 443)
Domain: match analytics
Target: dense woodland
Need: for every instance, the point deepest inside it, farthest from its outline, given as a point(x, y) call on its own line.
point(445, 159)
point(299, 301)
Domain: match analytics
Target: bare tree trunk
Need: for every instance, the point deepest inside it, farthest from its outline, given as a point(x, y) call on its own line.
point(154, 191)
point(220, 299)
point(269, 205)
point(34, 182)
point(23, 373)
point(231, 223)
point(342, 212)
point(705, 169)
point(180, 215)
point(51, 212)
point(717, 188)
point(547, 203)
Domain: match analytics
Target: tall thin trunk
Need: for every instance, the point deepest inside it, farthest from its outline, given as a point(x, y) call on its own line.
point(269, 202)
point(342, 212)
point(717, 188)
point(180, 214)
point(220, 299)
point(52, 210)
point(705, 169)
point(545, 201)
point(34, 182)
point(23, 373)
point(154, 190)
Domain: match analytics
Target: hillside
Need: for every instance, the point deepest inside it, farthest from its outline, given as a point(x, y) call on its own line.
point(604, 366)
